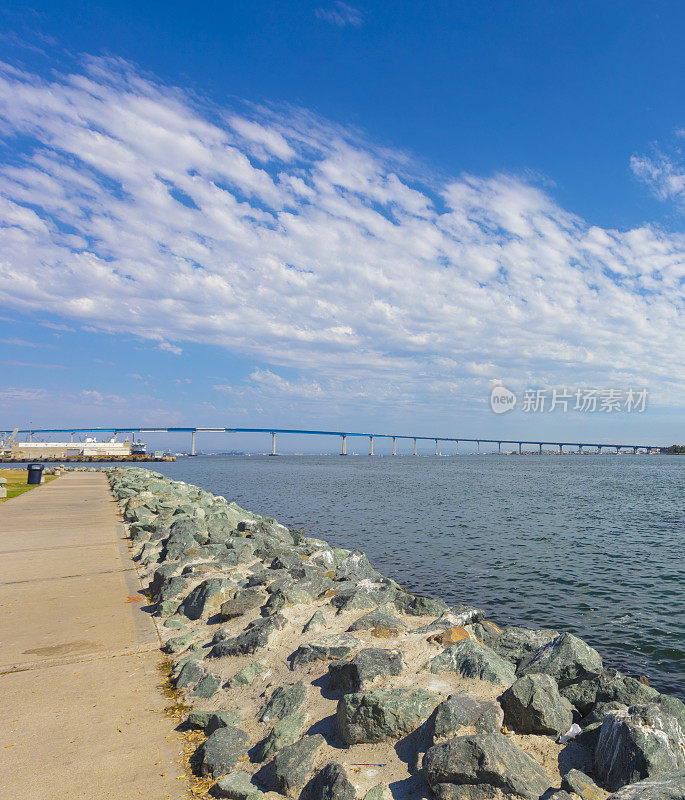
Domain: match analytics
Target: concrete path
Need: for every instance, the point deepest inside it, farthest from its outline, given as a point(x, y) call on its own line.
point(81, 712)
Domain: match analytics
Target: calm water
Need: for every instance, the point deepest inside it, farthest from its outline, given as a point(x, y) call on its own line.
point(593, 545)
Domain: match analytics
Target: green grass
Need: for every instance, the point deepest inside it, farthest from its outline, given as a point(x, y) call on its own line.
point(16, 482)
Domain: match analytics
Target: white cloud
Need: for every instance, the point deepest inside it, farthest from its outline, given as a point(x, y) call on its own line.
point(340, 14)
point(127, 207)
point(665, 175)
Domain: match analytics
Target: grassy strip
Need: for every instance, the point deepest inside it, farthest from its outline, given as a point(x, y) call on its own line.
point(16, 482)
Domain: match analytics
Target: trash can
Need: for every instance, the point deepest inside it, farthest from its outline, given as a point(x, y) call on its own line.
point(35, 474)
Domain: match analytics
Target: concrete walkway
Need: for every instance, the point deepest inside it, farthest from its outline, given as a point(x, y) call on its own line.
point(81, 712)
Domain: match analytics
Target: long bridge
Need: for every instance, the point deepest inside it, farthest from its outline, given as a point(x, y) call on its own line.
point(599, 446)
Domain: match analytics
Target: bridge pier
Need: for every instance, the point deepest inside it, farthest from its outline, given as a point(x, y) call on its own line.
point(520, 443)
point(580, 449)
point(192, 443)
point(370, 445)
point(394, 445)
point(344, 445)
point(561, 449)
point(618, 450)
point(457, 446)
point(72, 438)
point(436, 447)
point(414, 446)
point(599, 449)
point(540, 450)
point(499, 448)
point(634, 451)
point(273, 444)
point(478, 448)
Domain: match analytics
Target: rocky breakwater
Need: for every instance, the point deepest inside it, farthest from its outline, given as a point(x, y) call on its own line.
point(315, 677)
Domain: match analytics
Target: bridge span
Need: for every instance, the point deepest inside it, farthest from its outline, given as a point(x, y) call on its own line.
point(599, 446)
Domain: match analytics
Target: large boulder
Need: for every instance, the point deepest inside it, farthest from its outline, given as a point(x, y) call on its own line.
point(665, 787)
point(489, 761)
point(332, 646)
point(285, 700)
point(292, 765)
point(381, 714)
point(206, 598)
point(642, 742)
point(256, 635)
point(608, 687)
point(462, 710)
point(474, 660)
point(513, 643)
point(286, 731)
point(380, 621)
point(566, 658)
point(579, 783)
point(220, 752)
point(241, 604)
point(363, 669)
point(533, 705)
point(236, 786)
point(330, 783)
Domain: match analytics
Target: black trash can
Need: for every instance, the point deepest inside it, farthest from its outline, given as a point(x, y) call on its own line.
point(35, 473)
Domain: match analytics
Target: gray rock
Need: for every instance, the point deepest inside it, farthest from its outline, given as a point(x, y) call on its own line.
point(562, 794)
point(418, 606)
point(363, 669)
point(332, 646)
point(592, 723)
point(380, 619)
point(579, 783)
point(330, 783)
point(642, 742)
point(565, 658)
point(474, 660)
point(452, 618)
point(358, 598)
point(236, 786)
point(205, 598)
point(357, 567)
point(376, 792)
point(381, 714)
point(220, 719)
point(286, 731)
point(462, 710)
point(513, 643)
point(284, 701)
point(533, 705)
point(256, 635)
point(178, 644)
point(610, 686)
point(293, 764)
point(191, 672)
point(316, 622)
point(220, 752)
point(241, 604)
point(207, 686)
point(665, 787)
point(488, 759)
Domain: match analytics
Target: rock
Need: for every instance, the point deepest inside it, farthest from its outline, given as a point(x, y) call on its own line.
point(166, 583)
point(592, 723)
point(293, 763)
point(286, 731)
point(221, 719)
point(284, 701)
point(376, 792)
point(198, 719)
point(175, 622)
point(236, 786)
point(533, 705)
point(512, 642)
point(578, 782)
point(565, 658)
point(247, 674)
point(380, 621)
point(488, 759)
point(381, 714)
point(357, 598)
point(205, 598)
point(357, 567)
point(332, 646)
point(454, 617)
point(418, 606)
point(451, 636)
point(190, 674)
point(562, 794)
point(642, 742)
point(240, 604)
point(256, 635)
point(178, 644)
point(665, 787)
point(330, 783)
point(207, 686)
point(363, 669)
point(316, 622)
point(474, 660)
point(610, 686)
point(220, 752)
point(462, 710)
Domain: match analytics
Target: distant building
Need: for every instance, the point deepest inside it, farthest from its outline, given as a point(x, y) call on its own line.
point(89, 448)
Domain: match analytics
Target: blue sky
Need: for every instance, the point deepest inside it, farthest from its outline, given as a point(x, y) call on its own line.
point(342, 215)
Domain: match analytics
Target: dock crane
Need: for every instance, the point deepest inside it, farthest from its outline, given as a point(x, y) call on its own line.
point(6, 446)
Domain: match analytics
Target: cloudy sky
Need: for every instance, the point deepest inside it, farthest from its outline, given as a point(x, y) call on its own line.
point(345, 216)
